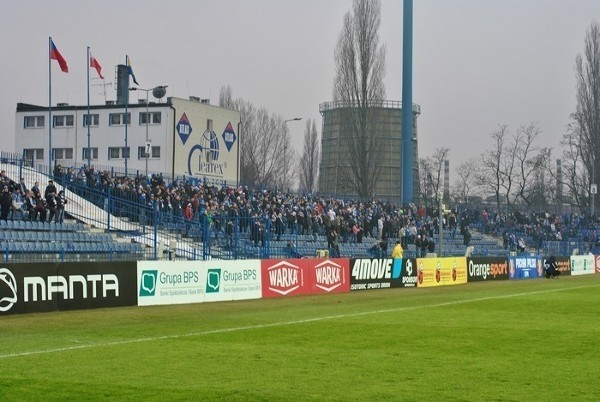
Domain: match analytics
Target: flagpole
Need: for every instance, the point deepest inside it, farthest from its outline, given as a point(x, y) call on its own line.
point(49, 106)
point(89, 151)
point(126, 103)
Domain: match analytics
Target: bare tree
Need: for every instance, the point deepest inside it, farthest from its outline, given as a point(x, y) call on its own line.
point(515, 169)
point(266, 156)
point(226, 97)
point(574, 176)
point(586, 119)
point(358, 87)
point(530, 164)
point(491, 175)
point(465, 183)
point(431, 171)
point(309, 163)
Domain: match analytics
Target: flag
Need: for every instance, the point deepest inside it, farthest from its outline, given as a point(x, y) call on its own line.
point(130, 70)
point(55, 55)
point(94, 63)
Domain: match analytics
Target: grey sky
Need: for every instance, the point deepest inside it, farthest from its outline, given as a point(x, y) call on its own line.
point(476, 63)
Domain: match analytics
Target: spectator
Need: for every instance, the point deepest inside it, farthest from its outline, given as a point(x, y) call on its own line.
point(61, 201)
point(50, 188)
point(5, 203)
point(30, 205)
point(36, 190)
point(51, 205)
point(398, 251)
point(467, 237)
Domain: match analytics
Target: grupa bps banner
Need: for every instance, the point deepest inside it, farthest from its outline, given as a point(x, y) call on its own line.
point(181, 282)
point(582, 264)
point(232, 280)
point(170, 282)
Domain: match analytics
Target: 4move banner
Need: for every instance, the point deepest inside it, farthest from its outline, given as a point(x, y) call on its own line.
point(382, 273)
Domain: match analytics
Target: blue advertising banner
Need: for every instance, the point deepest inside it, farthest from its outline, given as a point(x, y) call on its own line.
point(526, 267)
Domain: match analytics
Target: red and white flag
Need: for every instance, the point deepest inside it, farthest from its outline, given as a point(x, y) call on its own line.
point(94, 63)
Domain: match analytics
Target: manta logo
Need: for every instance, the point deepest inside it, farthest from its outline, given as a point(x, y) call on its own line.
point(8, 290)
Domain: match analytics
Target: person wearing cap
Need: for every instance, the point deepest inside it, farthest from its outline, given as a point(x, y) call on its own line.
point(398, 251)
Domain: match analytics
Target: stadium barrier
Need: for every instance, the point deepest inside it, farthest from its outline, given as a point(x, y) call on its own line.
point(36, 287)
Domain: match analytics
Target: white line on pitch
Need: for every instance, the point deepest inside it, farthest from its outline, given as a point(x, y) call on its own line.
point(280, 324)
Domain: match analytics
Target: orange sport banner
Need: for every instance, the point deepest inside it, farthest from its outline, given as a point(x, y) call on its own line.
point(441, 271)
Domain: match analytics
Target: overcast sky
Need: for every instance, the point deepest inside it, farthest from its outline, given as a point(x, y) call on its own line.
point(477, 63)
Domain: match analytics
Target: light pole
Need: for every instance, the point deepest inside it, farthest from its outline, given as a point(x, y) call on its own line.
point(148, 146)
point(285, 147)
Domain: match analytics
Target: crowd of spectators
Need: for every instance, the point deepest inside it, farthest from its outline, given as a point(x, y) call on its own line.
point(18, 200)
point(267, 212)
point(521, 230)
point(261, 211)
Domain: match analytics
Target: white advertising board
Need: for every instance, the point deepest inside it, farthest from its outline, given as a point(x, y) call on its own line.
point(182, 282)
point(582, 264)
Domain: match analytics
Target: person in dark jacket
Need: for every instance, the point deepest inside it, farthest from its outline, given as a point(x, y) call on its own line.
point(551, 268)
point(5, 203)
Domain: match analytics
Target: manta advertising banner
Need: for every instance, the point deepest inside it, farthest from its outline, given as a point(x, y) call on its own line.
point(382, 273)
point(304, 277)
point(28, 288)
point(486, 269)
point(441, 271)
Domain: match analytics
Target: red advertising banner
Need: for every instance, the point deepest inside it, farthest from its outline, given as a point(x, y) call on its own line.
point(304, 276)
point(597, 263)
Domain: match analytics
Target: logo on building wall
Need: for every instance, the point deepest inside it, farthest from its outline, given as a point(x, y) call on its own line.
point(184, 129)
point(203, 158)
point(229, 136)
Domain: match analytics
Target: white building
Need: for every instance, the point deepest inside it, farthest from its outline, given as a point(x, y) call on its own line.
point(178, 137)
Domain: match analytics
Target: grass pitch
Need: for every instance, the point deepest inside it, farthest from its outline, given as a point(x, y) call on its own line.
point(509, 340)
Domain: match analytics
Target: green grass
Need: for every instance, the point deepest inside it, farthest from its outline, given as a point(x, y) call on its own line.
point(514, 340)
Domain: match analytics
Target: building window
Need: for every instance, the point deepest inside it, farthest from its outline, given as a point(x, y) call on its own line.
point(209, 125)
point(150, 118)
point(118, 119)
point(94, 119)
point(64, 120)
point(36, 154)
point(93, 154)
point(118, 152)
point(154, 153)
point(63, 153)
point(34, 121)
